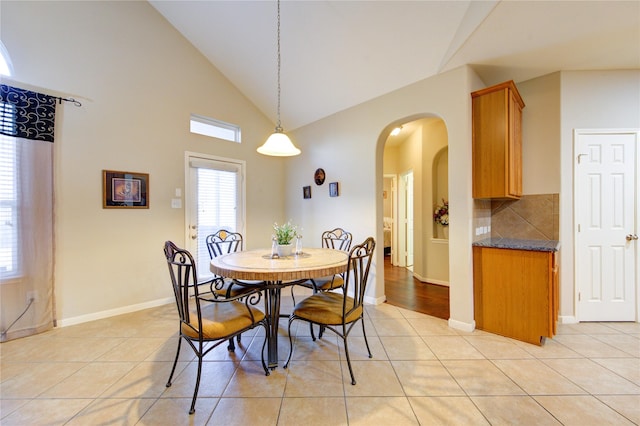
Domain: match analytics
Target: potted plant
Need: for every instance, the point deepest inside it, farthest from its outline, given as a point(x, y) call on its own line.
point(284, 235)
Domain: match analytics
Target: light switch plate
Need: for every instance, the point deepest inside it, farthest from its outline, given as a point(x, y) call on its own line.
point(176, 203)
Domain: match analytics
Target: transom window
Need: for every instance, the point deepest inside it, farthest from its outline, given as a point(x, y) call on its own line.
point(214, 128)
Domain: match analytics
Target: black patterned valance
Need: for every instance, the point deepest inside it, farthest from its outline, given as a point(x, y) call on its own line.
point(27, 114)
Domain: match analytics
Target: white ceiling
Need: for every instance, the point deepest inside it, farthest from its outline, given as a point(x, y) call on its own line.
point(337, 54)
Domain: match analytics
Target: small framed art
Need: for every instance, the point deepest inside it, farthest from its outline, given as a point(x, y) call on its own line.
point(333, 189)
point(306, 192)
point(125, 190)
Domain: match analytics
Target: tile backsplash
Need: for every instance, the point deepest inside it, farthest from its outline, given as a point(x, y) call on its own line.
point(532, 217)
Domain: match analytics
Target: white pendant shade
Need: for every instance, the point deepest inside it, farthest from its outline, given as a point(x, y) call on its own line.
point(279, 145)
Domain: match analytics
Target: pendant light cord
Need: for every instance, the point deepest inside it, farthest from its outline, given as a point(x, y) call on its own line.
point(279, 126)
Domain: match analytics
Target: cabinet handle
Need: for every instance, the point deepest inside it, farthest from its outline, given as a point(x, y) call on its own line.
point(632, 237)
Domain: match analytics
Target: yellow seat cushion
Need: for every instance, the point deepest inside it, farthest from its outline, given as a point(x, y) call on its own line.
point(326, 308)
point(220, 320)
point(329, 283)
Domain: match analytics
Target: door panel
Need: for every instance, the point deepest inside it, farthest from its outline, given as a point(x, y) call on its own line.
point(606, 262)
point(214, 201)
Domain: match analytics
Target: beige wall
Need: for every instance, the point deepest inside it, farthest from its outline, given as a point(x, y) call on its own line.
point(541, 135)
point(590, 100)
point(138, 81)
point(349, 146)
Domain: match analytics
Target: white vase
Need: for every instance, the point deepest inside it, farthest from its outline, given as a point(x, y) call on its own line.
point(284, 250)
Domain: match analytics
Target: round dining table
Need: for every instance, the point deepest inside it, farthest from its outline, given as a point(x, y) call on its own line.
point(272, 274)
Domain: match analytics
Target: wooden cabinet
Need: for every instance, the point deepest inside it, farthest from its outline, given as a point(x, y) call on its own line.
point(497, 141)
point(516, 292)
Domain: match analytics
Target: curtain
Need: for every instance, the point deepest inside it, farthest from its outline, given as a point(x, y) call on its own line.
point(27, 122)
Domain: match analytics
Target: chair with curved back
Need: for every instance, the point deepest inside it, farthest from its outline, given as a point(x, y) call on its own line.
point(224, 242)
point(205, 320)
point(339, 311)
point(337, 239)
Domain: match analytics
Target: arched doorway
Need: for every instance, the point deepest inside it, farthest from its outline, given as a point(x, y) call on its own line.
point(420, 148)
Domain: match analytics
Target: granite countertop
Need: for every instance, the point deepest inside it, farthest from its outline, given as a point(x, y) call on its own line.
point(517, 244)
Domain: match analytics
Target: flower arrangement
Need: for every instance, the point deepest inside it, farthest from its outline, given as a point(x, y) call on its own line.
point(285, 233)
point(441, 214)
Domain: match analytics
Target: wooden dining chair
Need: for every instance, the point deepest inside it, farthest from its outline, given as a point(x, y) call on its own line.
point(207, 321)
point(339, 311)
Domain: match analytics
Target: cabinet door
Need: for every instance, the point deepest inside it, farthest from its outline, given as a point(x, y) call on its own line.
point(514, 172)
point(513, 293)
point(497, 142)
point(490, 149)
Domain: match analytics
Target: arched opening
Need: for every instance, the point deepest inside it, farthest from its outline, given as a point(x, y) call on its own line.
point(420, 148)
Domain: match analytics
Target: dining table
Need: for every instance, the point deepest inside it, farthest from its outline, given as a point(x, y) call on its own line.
point(259, 268)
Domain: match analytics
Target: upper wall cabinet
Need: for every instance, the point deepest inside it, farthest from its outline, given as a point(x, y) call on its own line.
point(497, 142)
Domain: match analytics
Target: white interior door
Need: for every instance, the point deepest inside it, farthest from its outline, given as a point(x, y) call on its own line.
point(606, 214)
point(409, 220)
point(214, 200)
point(405, 217)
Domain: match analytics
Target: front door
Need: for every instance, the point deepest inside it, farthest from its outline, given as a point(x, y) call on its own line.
point(606, 219)
point(214, 201)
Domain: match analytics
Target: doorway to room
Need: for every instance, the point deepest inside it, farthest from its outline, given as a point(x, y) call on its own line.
point(415, 181)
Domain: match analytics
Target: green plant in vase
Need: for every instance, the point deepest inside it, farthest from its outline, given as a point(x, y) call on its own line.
point(284, 235)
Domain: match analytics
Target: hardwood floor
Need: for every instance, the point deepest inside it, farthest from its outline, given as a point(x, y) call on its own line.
point(403, 290)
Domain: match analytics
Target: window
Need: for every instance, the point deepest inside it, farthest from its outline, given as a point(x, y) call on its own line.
point(214, 128)
point(8, 208)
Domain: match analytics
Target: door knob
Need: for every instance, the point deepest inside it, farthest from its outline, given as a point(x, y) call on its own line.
point(632, 237)
point(193, 237)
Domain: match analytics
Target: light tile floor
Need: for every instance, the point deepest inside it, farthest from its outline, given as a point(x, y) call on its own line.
point(114, 371)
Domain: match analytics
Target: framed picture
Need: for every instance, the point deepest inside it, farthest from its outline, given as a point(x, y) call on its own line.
point(306, 191)
point(333, 189)
point(125, 190)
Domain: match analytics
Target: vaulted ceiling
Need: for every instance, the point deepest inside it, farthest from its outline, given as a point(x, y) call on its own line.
point(337, 54)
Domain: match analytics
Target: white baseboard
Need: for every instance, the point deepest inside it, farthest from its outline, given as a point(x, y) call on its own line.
point(463, 326)
point(567, 319)
point(375, 300)
point(430, 280)
point(113, 312)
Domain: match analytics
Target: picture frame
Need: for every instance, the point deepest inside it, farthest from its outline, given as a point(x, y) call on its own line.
point(125, 190)
point(306, 192)
point(334, 190)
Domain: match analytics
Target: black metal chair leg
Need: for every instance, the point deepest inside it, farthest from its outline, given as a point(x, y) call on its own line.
point(364, 333)
point(175, 362)
point(346, 352)
point(195, 391)
point(313, 335)
point(286, 364)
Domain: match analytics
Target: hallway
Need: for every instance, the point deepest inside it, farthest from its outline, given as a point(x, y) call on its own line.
point(404, 291)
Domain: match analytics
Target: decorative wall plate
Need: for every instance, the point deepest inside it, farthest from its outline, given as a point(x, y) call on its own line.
point(319, 176)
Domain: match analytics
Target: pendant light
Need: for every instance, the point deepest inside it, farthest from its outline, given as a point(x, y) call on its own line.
point(279, 144)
